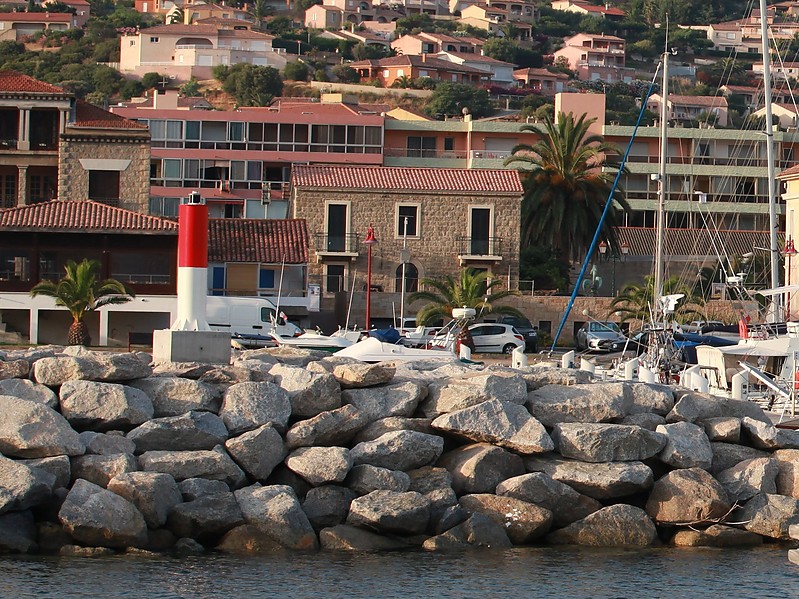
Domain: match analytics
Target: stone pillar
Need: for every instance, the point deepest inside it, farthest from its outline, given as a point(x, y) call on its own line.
point(22, 186)
point(33, 326)
point(24, 134)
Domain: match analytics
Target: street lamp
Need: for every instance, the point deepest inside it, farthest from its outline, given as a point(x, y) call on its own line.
point(614, 255)
point(405, 257)
point(789, 252)
point(369, 242)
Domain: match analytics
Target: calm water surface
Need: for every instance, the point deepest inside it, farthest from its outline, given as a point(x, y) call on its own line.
point(519, 573)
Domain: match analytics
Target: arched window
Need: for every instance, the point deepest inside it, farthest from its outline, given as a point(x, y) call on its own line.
point(411, 278)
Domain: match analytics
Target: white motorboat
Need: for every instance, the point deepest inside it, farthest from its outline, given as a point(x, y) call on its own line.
point(318, 341)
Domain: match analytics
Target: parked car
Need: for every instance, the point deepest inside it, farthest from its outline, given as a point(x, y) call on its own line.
point(525, 327)
point(490, 337)
point(418, 336)
point(598, 335)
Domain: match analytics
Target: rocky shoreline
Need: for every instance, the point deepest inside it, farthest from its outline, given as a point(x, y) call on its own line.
point(291, 449)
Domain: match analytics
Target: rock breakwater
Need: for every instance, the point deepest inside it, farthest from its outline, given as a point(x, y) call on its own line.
point(290, 449)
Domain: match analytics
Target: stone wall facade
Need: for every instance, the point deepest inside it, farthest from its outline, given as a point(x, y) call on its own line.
point(124, 145)
point(434, 250)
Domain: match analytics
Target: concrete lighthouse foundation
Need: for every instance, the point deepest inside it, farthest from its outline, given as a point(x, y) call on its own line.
point(190, 339)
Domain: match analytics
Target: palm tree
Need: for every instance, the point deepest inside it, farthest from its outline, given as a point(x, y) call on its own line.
point(470, 291)
point(635, 302)
point(567, 187)
point(80, 292)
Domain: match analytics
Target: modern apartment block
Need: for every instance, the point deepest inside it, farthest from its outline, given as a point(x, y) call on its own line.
point(596, 57)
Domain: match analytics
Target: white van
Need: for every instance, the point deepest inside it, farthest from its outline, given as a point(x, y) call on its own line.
point(247, 316)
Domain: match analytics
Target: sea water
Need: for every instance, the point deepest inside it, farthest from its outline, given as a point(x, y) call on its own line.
point(479, 574)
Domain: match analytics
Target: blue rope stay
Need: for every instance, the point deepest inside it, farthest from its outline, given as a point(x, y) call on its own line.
point(608, 203)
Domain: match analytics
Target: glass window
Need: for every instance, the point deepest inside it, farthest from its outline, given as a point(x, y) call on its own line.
point(158, 129)
point(334, 279)
point(449, 144)
point(410, 213)
point(254, 169)
point(237, 169)
point(191, 169)
point(174, 129)
point(171, 168)
point(371, 136)
point(193, 130)
point(236, 131)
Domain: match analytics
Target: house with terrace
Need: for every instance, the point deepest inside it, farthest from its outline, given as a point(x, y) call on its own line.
point(388, 70)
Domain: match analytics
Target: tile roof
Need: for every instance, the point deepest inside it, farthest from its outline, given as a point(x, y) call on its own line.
point(422, 180)
point(82, 216)
point(207, 30)
point(789, 172)
point(692, 242)
point(37, 17)
point(417, 61)
point(90, 116)
point(698, 100)
point(12, 81)
point(533, 72)
point(474, 57)
point(269, 241)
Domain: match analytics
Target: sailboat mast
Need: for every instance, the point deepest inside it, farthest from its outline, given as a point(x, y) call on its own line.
point(661, 214)
point(771, 182)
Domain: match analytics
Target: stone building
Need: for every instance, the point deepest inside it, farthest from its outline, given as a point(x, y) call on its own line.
point(455, 218)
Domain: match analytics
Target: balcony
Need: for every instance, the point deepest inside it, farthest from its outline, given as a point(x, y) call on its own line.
point(336, 246)
point(479, 249)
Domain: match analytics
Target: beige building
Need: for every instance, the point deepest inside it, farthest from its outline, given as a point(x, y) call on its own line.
point(323, 17)
point(688, 109)
point(185, 51)
point(596, 57)
point(455, 218)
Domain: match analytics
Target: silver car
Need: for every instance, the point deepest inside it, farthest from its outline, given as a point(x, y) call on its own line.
point(598, 335)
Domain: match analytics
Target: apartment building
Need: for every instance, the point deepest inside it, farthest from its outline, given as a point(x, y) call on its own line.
point(433, 43)
point(20, 26)
point(582, 7)
point(541, 80)
point(692, 109)
point(596, 57)
point(388, 70)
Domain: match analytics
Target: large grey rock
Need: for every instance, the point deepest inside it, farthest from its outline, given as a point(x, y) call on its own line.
point(540, 375)
point(769, 515)
point(194, 488)
point(651, 398)
point(58, 466)
point(25, 389)
point(603, 480)
point(391, 512)
point(687, 496)
point(596, 402)
point(357, 374)
point(365, 478)
point(206, 518)
point(320, 465)
point(788, 472)
point(435, 483)
point(90, 366)
point(328, 505)
point(100, 518)
point(187, 432)
point(103, 406)
point(400, 450)
point(647, 420)
point(761, 435)
point(343, 537)
point(153, 493)
point(336, 427)
point(693, 407)
point(100, 469)
point(31, 430)
point(740, 408)
point(479, 468)
point(258, 451)
point(498, 422)
point(716, 535)
point(614, 526)
point(310, 393)
point(566, 504)
point(724, 428)
point(378, 428)
point(687, 446)
point(18, 533)
point(22, 487)
point(215, 464)
point(376, 403)
point(173, 396)
point(107, 443)
point(473, 389)
point(477, 531)
point(276, 511)
point(247, 406)
point(13, 369)
point(750, 477)
point(247, 540)
point(595, 442)
point(726, 455)
point(524, 522)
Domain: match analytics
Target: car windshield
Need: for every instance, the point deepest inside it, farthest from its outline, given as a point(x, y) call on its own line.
point(604, 327)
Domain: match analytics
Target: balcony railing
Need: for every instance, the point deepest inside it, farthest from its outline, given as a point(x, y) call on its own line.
point(336, 244)
point(418, 153)
point(479, 247)
point(143, 279)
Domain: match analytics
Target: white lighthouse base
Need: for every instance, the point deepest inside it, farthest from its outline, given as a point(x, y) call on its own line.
point(210, 347)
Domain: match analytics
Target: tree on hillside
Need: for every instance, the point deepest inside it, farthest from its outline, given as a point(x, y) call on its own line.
point(449, 99)
point(253, 85)
point(296, 71)
point(567, 186)
point(80, 292)
point(346, 74)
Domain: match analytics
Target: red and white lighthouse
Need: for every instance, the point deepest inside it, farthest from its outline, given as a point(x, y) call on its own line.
point(192, 265)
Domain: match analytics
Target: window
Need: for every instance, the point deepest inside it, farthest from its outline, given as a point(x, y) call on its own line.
point(421, 147)
point(8, 191)
point(104, 185)
point(449, 144)
point(232, 211)
point(411, 278)
point(334, 278)
point(171, 168)
point(407, 214)
point(166, 207)
point(154, 40)
point(480, 231)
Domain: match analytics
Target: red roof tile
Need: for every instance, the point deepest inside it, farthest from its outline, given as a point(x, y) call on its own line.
point(82, 216)
point(422, 62)
point(12, 81)
point(88, 115)
point(269, 241)
point(789, 172)
point(37, 17)
point(423, 180)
